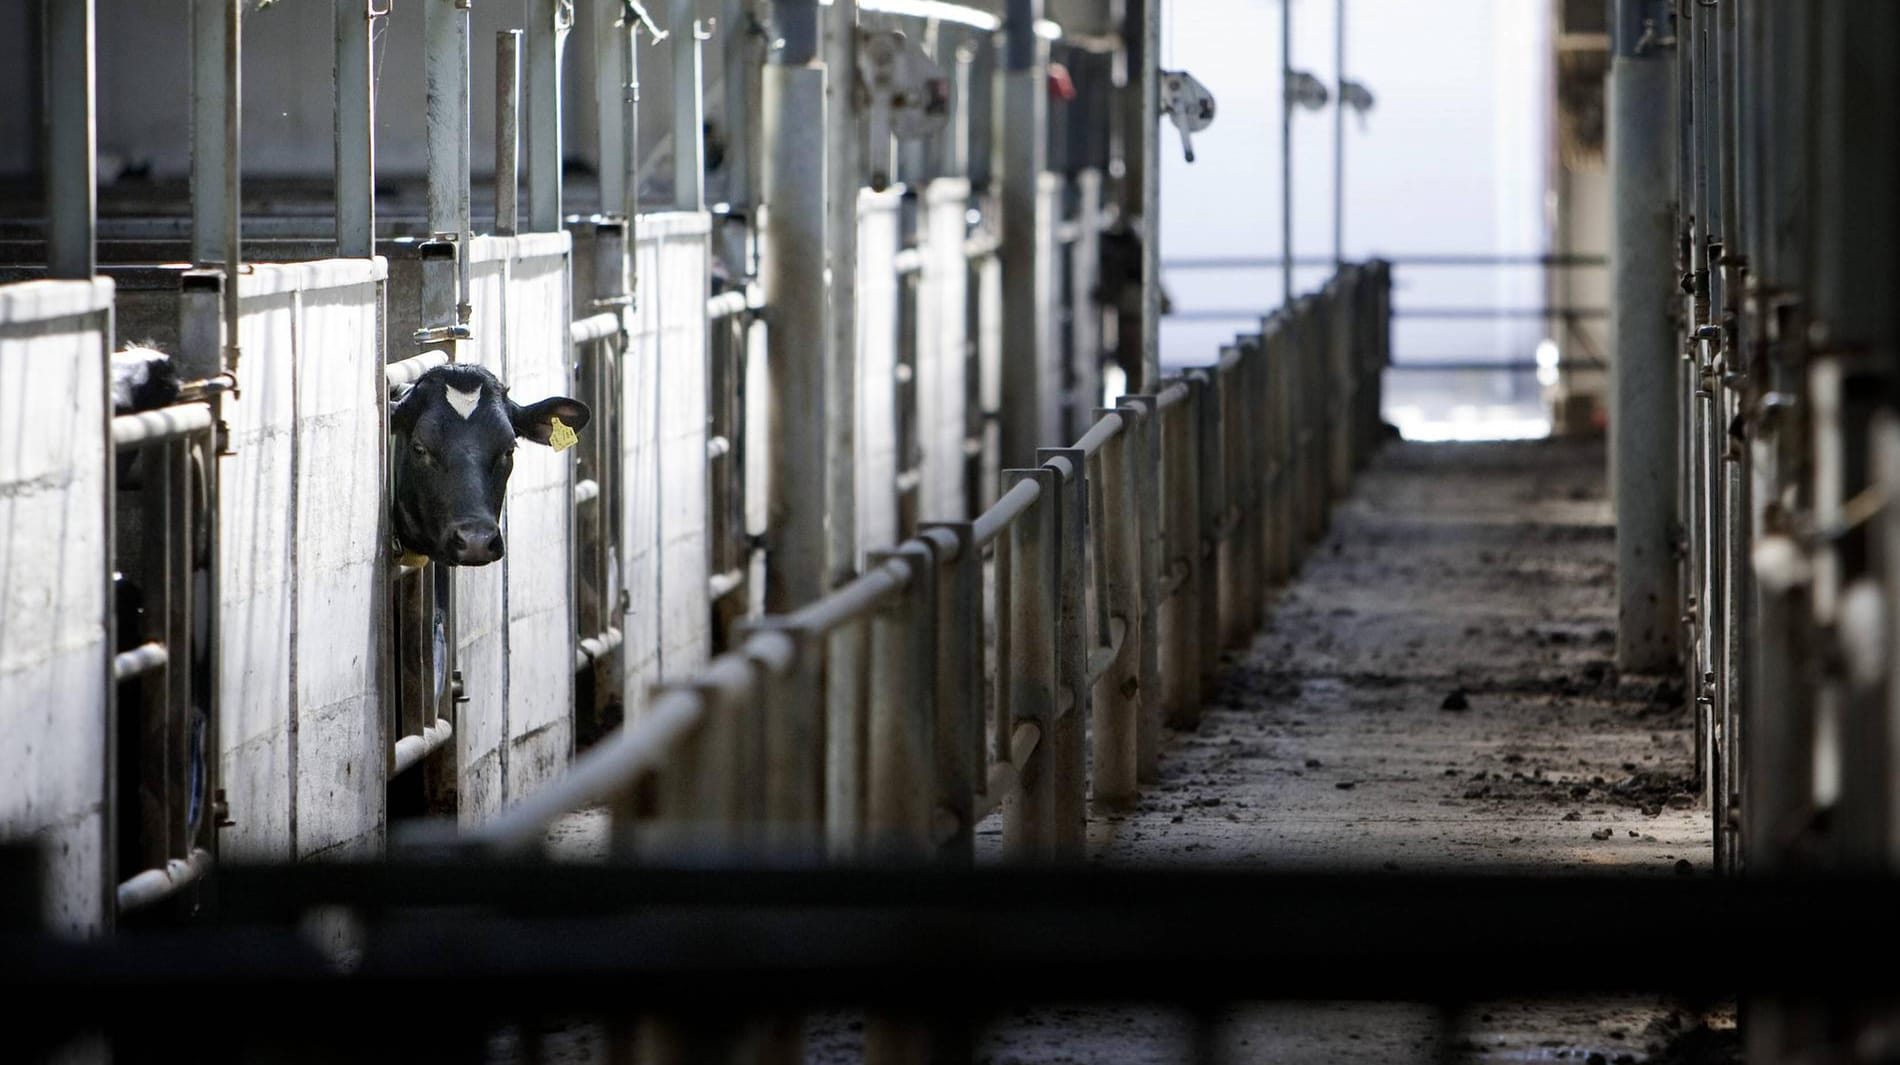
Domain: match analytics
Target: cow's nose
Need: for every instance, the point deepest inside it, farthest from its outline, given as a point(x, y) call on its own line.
point(474, 543)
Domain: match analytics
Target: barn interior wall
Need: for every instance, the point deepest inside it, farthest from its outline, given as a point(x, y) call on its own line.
point(303, 745)
point(53, 538)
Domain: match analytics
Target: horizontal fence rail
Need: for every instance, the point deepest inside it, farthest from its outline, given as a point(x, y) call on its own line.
point(1080, 610)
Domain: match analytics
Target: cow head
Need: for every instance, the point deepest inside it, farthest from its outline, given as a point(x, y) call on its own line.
point(454, 446)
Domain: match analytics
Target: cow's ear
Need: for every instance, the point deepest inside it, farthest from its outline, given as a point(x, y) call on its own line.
point(406, 409)
point(536, 420)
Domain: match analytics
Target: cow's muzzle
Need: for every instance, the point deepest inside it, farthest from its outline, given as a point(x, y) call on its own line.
point(472, 543)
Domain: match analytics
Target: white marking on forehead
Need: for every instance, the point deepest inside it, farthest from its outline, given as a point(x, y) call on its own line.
point(463, 402)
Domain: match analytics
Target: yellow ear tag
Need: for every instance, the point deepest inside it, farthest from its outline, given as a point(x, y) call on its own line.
point(410, 558)
point(562, 437)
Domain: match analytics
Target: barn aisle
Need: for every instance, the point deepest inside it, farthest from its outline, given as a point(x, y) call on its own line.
point(1434, 692)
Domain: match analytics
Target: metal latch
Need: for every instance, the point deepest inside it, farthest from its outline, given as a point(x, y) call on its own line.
point(1188, 104)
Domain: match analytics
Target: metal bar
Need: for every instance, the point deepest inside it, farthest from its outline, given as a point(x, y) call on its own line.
point(990, 524)
point(548, 23)
point(959, 674)
point(586, 491)
point(209, 148)
point(1149, 59)
point(902, 734)
point(446, 66)
point(608, 769)
point(689, 107)
point(407, 371)
point(153, 885)
point(844, 164)
point(1031, 405)
point(1068, 746)
point(720, 585)
point(166, 423)
point(411, 750)
point(145, 658)
point(794, 195)
point(508, 134)
point(355, 122)
point(1339, 134)
point(1426, 313)
point(1286, 152)
point(71, 129)
point(1032, 668)
point(597, 647)
point(595, 327)
point(612, 26)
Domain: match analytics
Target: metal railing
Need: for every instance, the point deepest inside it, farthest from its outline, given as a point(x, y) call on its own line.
point(997, 648)
point(166, 762)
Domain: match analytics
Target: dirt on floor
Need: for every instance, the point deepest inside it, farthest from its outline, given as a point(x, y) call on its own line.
point(1435, 691)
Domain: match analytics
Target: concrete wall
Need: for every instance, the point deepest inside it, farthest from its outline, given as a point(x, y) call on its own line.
point(302, 732)
point(54, 650)
point(664, 545)
point(942, 349)
point(515, 618)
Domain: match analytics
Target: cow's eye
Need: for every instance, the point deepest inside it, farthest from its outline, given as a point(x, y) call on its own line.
point(420, 450)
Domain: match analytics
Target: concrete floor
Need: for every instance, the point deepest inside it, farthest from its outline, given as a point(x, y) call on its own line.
point(1475, 570)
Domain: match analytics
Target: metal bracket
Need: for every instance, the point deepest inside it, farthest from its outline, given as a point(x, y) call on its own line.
point(634, 13)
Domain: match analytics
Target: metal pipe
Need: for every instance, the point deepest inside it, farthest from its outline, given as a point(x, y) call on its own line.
point(145, 658)
point(843, 177)
point(71, 132)
point(411, 750)
point(154, 884)
point(548, 23)
point(606, 770)
point(508, 135)
point(1032, 667)
point(689, 107)
point(794, 280)
point(1150, 79)
point(165, 423)
point(1339, 134)
point(408, 371)
point(1286, 152)
point(1031, 405)
point(355, 121)
point(595, 327)
point(1068, 745)
point(902, 721)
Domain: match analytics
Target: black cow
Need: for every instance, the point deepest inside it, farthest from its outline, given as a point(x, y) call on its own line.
point(454, 446)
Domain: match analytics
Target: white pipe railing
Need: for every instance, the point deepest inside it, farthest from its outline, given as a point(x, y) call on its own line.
point(1225, 477)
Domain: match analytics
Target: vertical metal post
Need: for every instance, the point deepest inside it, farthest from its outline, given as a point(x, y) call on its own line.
point(904, 713)
point(1286, 151)
point(843, 167)
point(1150, 198)
point(1031, 401)
point(216, 97)
point(548, 23)
point(446, 60)
point(1066, 739)
point(1181, 611)
point(508, 135)
point(355, 129)
point(1118, 695)
point(1339, 134)
point(612, 40)
point(689, 108)
point(1034, 602)
point(71, 131)
point(794, 275)
point(1153, 563)
point(959, 684)
point(1211, 497)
